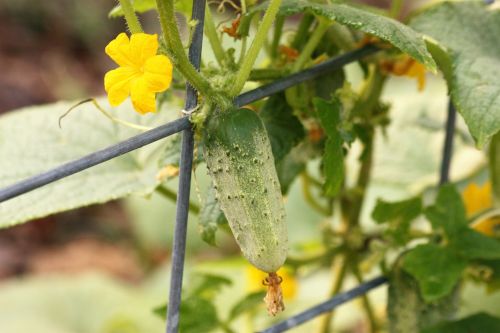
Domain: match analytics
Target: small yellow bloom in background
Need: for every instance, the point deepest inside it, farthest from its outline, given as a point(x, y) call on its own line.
point(406, 66)
point(256, 276)
point(142, 73)
point(478, 199)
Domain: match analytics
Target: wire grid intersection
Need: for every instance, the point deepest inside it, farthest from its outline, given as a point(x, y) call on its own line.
point(183, 125)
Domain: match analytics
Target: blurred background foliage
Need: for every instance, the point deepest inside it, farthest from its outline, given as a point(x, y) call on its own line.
point(105, 268)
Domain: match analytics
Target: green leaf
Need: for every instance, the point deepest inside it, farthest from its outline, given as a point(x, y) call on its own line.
point(207, 285)
point(436, 269)
point(293, 164)
point(210, 218)
point(196, 315)
point(401, 36)
point(471, 244)
point(247, 303)
point(479, 322)
point(448, 212)
point(333, 158)
point(31, 142)
point(467, 31)
point(398, 215)
point(284, 129)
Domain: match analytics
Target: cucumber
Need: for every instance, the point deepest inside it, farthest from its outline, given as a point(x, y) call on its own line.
point(240, 161)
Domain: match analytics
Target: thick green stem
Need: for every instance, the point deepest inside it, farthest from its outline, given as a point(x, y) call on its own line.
point(366, 301)
point(303, 31)
point(253, 52)
point(266, 74)
point(311, 45)
point(341, 36)
point(132, 21)
point(176, 49)
point(306, 190)
point(213, 38)
point(171, 195)
point(395, 10)
point(278, 29)
point(339, 278)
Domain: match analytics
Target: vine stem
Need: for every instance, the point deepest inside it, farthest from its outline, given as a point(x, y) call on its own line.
point(255, 47)
point(132, 21)
point(310, 198)
point(171, 195)
point(278, 29)
point(213, 38)
point(179, 57)
point(311, 44)
point(395, 9)
point(340, 275)
point(366, 301)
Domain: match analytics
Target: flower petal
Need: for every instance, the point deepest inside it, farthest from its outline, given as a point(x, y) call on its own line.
point(119, 50)
point(158, 73)
point(142, 47)
point(143, 99)
point(117, 84)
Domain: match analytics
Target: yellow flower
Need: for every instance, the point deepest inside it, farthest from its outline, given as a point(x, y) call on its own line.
point(406, 66)
point(256, 276)
point(477, 199)
point(141, 74)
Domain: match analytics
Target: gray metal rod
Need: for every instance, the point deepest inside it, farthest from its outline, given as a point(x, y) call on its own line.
point(326, 306)
point(444, 175)
point(186, 165)
point(176, 126)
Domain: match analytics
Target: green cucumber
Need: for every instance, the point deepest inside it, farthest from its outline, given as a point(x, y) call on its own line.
point(240, 161)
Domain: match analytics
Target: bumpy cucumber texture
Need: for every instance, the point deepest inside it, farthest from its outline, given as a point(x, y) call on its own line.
point(241, 164)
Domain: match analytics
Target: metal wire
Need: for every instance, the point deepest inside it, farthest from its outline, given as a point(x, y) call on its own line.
point(448, 144)
point(308, 74)
point(173, 127)
point(327, 306)
point(186, 165)
point(93, 159)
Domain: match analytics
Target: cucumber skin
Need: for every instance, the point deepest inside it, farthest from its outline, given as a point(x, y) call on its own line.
point(241, 164)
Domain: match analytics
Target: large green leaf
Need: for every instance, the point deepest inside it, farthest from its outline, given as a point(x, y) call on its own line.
point(284, 129)
point(448, 212)
point(480, 322)
point(471, 244)
point(401, 36)
point(31, 142)
point(466, 44)
point(398, 215)
point(210, 218)
point(436, 269)
point(333, 158)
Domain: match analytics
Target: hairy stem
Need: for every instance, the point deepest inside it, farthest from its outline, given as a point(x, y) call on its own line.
point(303, 31)
point(338, 281)
point(306, 190)
point(278, 29)
point(213, 38)
point(312, 43)
point(395, 9)
point(132, 21)
point(176, 49)
point(366, 301)
point(171, 195)
point(255, 47)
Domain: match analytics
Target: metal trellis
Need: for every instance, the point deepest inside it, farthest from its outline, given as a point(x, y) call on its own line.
point(183, 124)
